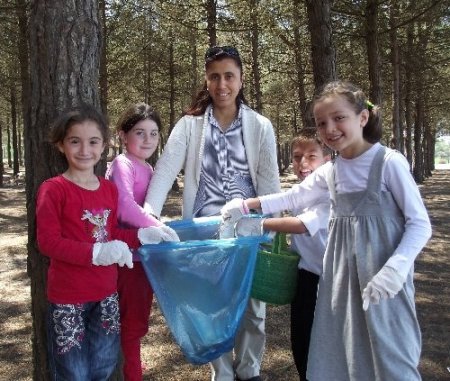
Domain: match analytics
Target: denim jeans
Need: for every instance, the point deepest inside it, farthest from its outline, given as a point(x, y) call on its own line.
point(83, 340)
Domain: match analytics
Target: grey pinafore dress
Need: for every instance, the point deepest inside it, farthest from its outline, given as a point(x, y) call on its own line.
point(348, 343)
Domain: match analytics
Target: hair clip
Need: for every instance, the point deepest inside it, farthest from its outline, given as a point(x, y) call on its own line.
point(369, 105)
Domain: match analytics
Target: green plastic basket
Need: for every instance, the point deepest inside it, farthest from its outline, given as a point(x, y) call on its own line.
point(275, 277)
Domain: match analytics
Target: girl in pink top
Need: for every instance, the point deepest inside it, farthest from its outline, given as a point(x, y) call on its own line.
point(138, 130)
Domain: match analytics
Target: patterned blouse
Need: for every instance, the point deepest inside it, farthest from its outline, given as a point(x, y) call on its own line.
point(225, 173)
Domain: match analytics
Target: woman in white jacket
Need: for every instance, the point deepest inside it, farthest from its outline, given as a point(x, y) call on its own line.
point(226, 150)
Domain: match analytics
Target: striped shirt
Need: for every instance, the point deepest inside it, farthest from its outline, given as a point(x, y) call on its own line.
point(225, 173)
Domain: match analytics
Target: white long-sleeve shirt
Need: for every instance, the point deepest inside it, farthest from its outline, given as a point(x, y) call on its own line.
point(351, 175)
point(311, 245)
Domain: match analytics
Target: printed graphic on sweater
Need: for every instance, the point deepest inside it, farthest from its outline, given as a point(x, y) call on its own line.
point(99, 218)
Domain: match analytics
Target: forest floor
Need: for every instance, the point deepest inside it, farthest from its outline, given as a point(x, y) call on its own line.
point(163, 359)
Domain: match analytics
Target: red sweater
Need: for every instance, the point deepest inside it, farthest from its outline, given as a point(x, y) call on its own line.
point(70, 219)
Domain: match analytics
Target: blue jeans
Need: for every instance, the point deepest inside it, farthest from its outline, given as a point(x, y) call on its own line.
point(83, 340)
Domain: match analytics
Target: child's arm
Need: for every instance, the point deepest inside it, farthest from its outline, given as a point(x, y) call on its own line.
point(129, 211)
point(168, 167)
point(310, 221)
point(391, 277)
point(50, 238)
point(291, 225)
point(309, 192)
point(417, 223)
point(312, 190)
point(72, 246)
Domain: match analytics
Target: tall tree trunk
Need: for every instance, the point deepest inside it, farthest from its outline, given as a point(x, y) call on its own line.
point(211, 17)
point(20, 138)
point(171, 65)
point(8, 142)
point(15, 145)
point(420, 80)
point(323, 52)
point(277, 132)
point(175, 185)
point(2, 167)
point(373, 54)
point(418, 129)
point(256, 72)
point(396, 126)
point(194, 65)
point(300, 67)
point(408, 94)
point(429, 142)
point(103, 58)
point(21, 9)
point(148, 56)
point(65, 45)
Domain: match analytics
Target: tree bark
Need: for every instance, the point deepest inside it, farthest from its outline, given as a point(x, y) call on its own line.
point(8, 142)
point(256, 72)
point(323, 52)
point(15, 145)
point(22, 18)
point(2, 166)
point(103, 58)
point(408, 94)
point(396, 126)
point(65, 44)
point(211, 17)
point(194, 64)
point(373, 54)
point(300, 67)
point(418, 148)
point(420, 123)
point(171, 65)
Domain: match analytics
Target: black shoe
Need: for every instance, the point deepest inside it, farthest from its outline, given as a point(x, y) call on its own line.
point(256, 378)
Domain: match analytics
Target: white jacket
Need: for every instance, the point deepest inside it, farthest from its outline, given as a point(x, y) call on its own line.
point(184, 150)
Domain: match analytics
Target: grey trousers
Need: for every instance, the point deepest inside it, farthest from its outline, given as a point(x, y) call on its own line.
point(248, 347)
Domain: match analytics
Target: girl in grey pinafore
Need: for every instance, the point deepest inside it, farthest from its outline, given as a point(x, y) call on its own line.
point(348, 343)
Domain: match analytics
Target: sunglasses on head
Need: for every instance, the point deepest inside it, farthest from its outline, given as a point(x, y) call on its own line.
point(220, 51)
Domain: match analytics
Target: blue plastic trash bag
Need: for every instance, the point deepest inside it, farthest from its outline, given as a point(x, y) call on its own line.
point(201, 228)
point(202, 286)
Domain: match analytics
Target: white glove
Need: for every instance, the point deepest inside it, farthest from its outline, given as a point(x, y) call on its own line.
point(385, 284)
point(234, 210)
point(226, 229)
point(157, 234)
point(108, 253)
point(249, 226)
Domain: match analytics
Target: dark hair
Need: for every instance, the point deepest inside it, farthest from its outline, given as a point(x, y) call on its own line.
point(307, 138)
point(372, 131)
point(203, 99)
point(134, 114)
point(75, 115)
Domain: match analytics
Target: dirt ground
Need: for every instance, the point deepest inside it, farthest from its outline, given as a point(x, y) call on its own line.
point(162, 357)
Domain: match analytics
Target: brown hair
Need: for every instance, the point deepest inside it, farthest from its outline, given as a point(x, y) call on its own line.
point(134, 114)
point(372, 131)
point(78, 114)
point(308, 139)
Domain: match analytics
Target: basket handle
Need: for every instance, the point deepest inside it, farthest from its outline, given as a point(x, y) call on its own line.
point(279, 243)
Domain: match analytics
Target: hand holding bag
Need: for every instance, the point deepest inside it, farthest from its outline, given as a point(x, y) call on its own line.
point(276, 271)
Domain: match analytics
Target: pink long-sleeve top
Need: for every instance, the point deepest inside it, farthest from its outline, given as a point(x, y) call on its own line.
point(132, 178)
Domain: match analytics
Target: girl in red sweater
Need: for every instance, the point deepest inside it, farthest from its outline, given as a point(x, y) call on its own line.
point(77, 229)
